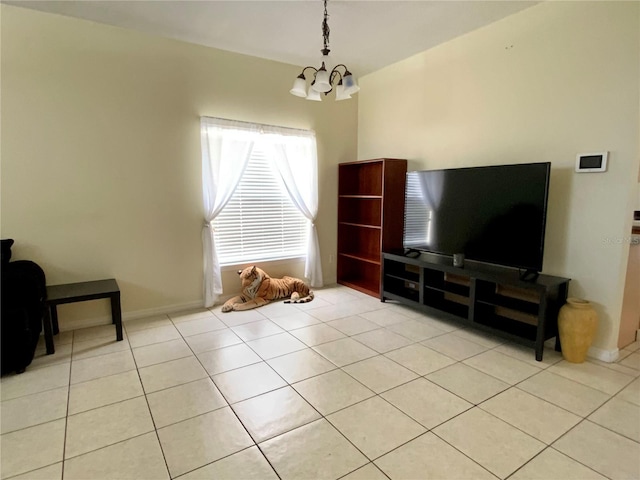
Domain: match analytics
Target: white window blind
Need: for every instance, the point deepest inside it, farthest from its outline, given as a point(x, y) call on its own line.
point(260, 222)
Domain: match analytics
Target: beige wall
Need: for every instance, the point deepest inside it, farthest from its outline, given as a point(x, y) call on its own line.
point(557, 79)
point(101, 172)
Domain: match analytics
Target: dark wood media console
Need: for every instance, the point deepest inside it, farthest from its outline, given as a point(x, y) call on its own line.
point(486, 297)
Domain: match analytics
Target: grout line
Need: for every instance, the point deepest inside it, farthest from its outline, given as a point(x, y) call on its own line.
point(107, 404)
point(463, 453)
point(219, 459)
point(108, 445)
point(193, 416)
point(605, 426)
point(36, 393)
point(553, 404)
point(102, 354)
point(566, 454)
point(104, 376)
point(443, 440)
point(370, 462)
point(153, 421)
point(31, 471)
point(36, 425)
point(527, 462)
point(497, 378)
point(569, 380)
point(66, 420)
point(268, 461)
point(520, 429)
point(551, 447)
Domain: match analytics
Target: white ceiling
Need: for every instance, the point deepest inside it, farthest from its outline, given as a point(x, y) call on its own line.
point(365, 35)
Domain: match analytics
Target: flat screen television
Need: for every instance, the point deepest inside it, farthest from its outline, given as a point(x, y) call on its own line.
point(493, 214)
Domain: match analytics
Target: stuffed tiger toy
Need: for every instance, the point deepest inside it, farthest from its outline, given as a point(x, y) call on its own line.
point(258, 289)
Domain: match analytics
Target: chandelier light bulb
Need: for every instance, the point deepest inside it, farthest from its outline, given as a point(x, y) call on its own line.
point(350, 84)
point(314, 95)
point(299, 87)
point(322, 83)
point(341, 94)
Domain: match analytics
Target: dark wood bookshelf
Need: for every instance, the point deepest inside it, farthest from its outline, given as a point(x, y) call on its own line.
point(370, 219)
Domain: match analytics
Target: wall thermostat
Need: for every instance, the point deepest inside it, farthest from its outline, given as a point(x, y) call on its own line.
point(592, 162)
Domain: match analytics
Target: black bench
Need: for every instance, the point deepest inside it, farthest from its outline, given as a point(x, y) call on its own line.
point(80, 292)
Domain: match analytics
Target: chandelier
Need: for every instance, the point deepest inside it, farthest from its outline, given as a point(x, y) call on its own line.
point(323, 81)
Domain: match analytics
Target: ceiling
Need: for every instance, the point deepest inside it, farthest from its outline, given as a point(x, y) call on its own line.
point(366, 35)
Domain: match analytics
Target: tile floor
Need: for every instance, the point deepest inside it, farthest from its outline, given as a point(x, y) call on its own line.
point(341, 387)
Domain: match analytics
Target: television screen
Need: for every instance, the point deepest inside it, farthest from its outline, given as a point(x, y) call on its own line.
point(493, 214)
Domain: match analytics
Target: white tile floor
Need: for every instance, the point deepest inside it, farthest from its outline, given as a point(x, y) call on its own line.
point(341, 387)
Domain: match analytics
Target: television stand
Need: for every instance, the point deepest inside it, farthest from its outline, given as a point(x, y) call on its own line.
point(490, 298)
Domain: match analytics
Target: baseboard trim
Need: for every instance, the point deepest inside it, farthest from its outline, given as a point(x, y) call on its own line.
point(608, 356)
point(148, 312)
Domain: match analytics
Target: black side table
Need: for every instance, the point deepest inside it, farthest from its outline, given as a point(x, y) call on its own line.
point(80, 292)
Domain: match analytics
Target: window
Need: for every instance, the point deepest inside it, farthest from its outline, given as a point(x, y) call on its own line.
point(260, 222)
point(272, 214)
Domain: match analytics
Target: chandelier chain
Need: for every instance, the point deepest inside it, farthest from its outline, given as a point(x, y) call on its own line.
point(325, 27)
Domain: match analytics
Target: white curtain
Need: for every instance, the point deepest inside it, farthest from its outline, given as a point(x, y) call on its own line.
point(296, 158)
point(226, 148)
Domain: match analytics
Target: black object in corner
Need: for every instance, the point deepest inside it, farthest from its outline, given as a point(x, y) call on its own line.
point(23, 308)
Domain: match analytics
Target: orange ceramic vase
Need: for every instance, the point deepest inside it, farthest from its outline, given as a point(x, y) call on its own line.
point(577, 323)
